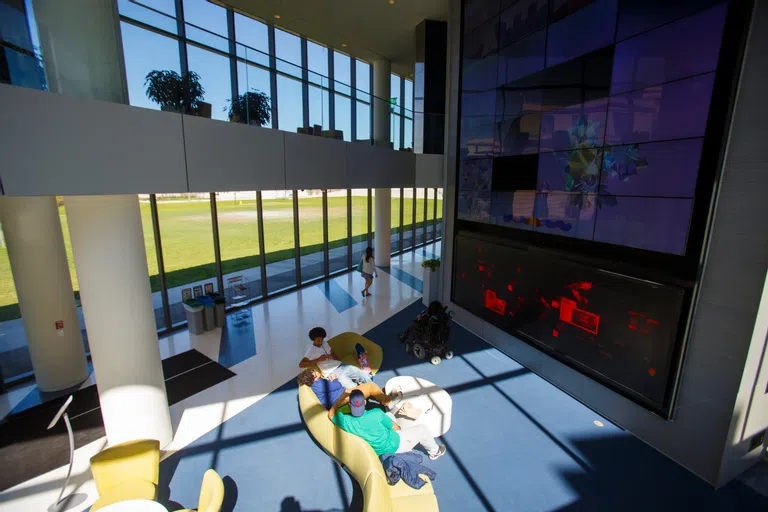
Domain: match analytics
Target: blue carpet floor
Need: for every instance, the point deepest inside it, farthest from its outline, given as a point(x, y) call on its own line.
point(516, 443)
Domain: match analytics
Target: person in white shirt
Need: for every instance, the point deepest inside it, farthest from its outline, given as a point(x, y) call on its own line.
point(321, 355)
point(368, 270)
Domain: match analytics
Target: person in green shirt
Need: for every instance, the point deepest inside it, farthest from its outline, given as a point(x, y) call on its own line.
point(383, 434)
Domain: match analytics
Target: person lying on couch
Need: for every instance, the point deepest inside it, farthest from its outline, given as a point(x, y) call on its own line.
point(333, 395)
point(383, 434)
point(322, 357)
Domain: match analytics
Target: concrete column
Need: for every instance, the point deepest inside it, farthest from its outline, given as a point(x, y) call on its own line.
point(111, 261)
point(41, 274)
point(82, 48)
point(382, 243)
point(82, 52)
point(382, 69)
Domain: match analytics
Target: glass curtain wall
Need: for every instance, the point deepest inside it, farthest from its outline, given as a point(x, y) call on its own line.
point(238, 219)
point(430, 224)
point(338, 234)
point(14, 354)
point(419, 206)
point(311, 237)
point(439, 213)
point(279, 239)
point(359, 223)
point(363, 112)
point(396, 220)
point(186, 232)
point(319, 106)
point(396, 108)
point(408, 211)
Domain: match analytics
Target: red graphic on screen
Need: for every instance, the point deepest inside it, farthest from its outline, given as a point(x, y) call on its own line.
point(641, 323)
point(498, 306)
point(652, 372)
point(578, 287)
point(571, 314)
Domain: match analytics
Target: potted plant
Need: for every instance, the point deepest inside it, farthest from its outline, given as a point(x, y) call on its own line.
point(252, 107)
point(431, 281)
point(177, 93)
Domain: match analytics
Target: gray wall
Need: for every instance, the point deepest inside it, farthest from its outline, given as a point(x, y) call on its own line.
point(706, 434)
point(56, 144)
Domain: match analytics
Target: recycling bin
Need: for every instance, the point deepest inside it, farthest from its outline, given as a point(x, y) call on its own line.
point(193, 311)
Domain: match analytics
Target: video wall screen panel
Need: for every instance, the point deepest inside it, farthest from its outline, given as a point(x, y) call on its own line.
point(612, 99)
point(618, 330)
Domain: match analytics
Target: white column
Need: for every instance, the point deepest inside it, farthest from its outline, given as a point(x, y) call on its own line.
point(382, 70)
point(111, 262)
point(44, 288)
point(382, 243)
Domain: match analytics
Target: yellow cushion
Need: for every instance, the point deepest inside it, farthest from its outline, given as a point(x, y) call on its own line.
point(420, 503)
point(134, 460)
point(211, 492)
point(403, 490)
point(343, 345)
point(376, 496)
point(135, 490)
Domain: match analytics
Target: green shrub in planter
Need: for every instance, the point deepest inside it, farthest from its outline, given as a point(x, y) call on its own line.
point(432, 264)
point(252, 107)
point(177, 93)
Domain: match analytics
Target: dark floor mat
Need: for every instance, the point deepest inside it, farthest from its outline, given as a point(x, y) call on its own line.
point(31, 450)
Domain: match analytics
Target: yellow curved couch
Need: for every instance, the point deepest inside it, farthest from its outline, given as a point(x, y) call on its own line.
point(126, 471)
point(343, 345)
point(356, 455)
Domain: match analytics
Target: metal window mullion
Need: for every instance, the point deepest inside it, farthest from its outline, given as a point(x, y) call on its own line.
point(349, 228)
point(232, 54)
point(296, 237)
point(353, 75)
point(326, 265)
point(413, 221)
point(331, 95)
point(216, 242)
point(370, 218)
point(426, 209)
point(182, 30)
point(305, 81)
point(401, 220)
point(273, 75)
point(263, 251)
point(402, 114)
point(160, 261)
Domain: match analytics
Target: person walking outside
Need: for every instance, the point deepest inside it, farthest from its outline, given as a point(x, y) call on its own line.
point(368, 270)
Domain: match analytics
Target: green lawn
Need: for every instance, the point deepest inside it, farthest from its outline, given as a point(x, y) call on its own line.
point(187, 237)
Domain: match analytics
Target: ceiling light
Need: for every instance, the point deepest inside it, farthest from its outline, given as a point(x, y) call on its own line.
point(277, 16)
point(344, 45)
point(598, 423)
point(391, 2)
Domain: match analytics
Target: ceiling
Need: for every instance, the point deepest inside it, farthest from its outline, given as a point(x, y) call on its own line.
point(371, 29)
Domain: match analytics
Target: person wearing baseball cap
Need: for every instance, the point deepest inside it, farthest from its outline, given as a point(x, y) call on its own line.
point(384, 435)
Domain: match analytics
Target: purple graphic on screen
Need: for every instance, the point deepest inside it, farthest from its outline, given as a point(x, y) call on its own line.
point(577, 126)
point(508, 207)
point(475, 175)
point(570, 171)
point(582, 32)
point(566, 214)
point(655, 224)
point(661, 169)
point(671, 111)
point(685, 48)
point(519, 135)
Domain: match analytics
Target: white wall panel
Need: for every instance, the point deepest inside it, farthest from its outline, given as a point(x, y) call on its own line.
point(53, 144)
point(225, 156)
point(429, 171)
point(314, 162)
point(376, 167)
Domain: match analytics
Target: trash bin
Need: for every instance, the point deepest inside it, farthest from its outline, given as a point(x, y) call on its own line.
point(209, 320)
point(193, 310)
point(219, 309)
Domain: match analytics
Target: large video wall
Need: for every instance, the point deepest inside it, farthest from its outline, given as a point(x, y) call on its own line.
point(589, 138)
point(586, 119)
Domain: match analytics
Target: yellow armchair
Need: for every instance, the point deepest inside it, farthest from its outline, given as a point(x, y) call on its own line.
point(126, 471)
point(211, 493)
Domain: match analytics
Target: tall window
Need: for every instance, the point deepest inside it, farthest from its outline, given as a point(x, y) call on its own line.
point(187, 236)
point(289, 104)
point(214, 77)
point(408, 211)
point(395, 222)
point(288, 53)
point(254, 38)
point(359, 223)
point(279, 240)
point(311, 234)
point(165, 19)
point(439, 212)
point(342, 76)
point(146, 51)
point(420, 200)
point(14, 354)
point(338, 234)
point(252, 78)
point(397, 110)
point(206, 23)
point(408, 114)
point(430, 227)
point(153, 267)
point(317, 72)
point(363, 94)
point(238, 218)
